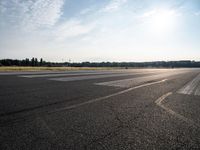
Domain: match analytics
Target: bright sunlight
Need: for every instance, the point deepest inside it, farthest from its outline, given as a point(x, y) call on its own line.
point(162, 21)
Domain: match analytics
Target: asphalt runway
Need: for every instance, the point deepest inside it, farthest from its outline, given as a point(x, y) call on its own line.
point(116, 109)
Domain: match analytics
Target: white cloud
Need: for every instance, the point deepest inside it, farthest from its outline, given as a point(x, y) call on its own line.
point(154, 12)
point(85, 11)
point(31, 14)
point(113, 5)
point(197, 13)
point(149, 13)
point(72, 28)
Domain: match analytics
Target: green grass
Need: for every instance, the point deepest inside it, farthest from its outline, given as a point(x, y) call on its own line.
point(16, 68)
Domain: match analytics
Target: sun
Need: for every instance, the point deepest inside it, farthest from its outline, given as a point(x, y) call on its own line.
point(162, 21)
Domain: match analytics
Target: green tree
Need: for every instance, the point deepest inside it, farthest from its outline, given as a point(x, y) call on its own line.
point(41, 61)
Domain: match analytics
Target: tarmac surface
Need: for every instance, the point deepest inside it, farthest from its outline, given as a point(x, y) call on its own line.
point(116, 109)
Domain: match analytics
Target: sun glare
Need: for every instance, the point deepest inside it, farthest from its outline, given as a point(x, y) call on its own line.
point(162, 21)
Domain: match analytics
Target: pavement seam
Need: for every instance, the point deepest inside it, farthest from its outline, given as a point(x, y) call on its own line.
point(159, 101)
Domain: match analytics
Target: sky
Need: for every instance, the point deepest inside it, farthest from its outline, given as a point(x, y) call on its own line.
point(100, 30)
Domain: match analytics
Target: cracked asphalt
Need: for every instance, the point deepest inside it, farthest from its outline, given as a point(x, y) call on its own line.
point(37, 112)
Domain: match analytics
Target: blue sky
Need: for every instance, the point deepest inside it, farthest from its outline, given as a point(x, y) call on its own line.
point(100, 30)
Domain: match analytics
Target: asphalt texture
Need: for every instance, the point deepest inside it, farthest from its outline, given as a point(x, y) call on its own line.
point(117, 109)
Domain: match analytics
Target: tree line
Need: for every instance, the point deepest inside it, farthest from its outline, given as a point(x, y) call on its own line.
point(23, 62)
point(40, 62)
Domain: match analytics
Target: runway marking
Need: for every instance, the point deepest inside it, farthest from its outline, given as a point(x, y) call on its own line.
point(28, 73)
point(63, 74)
point(108, 96)
point(159, 101)
point(78, 78)
point(125, 83)
point(87, 102)
point(193, 87)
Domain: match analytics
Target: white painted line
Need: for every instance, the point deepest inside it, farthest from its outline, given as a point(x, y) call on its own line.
point(27, 73)
point(64, 74)
point(65, 79)
point(46, 72)
point(173, 113)
point(82, 73)
point(162, 98)
point(125, 83)
point(106, 97)
point(190, 87)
